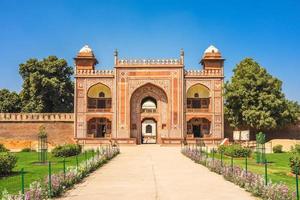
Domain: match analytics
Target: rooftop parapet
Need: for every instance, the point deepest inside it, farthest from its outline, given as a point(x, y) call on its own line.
point(36, 117)
point(173, 62)
point(204, 72)
point(84, 72)
point(149, 62)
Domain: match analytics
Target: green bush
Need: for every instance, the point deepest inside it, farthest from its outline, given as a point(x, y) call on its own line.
point(66, 150)
point(277, 148)
point(3, 148)
point(7, 162)
point(27, 149)
point(295, 149)
point(294, 163)
point(235, 150)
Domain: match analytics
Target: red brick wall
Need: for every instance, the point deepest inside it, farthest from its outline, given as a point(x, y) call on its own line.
point(17, 135)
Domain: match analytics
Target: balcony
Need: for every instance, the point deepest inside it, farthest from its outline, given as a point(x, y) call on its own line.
point(99, 105)
point(197, 105)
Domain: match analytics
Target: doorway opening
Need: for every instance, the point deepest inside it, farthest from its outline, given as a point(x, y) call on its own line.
point(148, 131)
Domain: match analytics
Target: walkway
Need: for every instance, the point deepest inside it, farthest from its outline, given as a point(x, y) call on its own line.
point(153, 172)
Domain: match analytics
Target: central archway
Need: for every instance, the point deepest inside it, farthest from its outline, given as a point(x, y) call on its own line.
point(149, 101)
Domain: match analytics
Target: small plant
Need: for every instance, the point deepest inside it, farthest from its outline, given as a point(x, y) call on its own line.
point(277, 148)
point(260, 138)
point(3, 148)
point(235, 150)
point(295, 163)
point(42, 132)
point(7, 162)
point(66, 150)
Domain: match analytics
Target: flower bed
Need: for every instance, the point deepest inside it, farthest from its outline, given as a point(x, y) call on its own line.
point(60, 182)
point(252, 182)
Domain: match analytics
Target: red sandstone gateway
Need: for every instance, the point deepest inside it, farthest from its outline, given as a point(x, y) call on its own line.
point(148, 101)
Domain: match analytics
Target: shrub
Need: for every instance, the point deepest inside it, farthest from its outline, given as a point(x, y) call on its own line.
point(295, 149)
point(294, 163)
point(7, 162)
point(66, 150)
point(235, 150)
point(277, 148)
point(27, 149)
point(3, 148)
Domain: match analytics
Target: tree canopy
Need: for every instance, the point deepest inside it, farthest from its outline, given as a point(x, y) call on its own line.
point(254, 99)
point(9, 101)
point(47, 85)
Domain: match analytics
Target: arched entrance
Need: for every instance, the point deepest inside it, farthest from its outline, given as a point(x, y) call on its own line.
point(148, 131)
point(149, 102)
point(99, 127)
point(198, 127)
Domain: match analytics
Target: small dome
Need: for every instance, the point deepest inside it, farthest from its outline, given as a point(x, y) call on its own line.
point(212, 53)
point(211, 49)
point(148, 105)
point(85, 49)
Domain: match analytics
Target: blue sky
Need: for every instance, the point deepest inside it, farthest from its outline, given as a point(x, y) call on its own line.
point(268, 31)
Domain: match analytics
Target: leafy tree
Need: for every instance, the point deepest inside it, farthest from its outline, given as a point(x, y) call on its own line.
point(9, 101)
point(47, 85)
point(254, 99)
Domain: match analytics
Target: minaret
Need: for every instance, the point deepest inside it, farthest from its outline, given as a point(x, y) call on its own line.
point(85, 59)
point(182, 56)
point(212, 58)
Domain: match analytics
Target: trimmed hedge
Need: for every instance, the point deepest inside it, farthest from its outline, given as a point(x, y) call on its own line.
point(66, 150)
point(7, 162)
point(235, 150)
point(277, 148)
point(27, 149)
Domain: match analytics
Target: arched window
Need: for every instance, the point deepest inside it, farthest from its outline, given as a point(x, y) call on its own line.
point(101, 95)
point(148, 128)
point(149, 104)
point(198, 96)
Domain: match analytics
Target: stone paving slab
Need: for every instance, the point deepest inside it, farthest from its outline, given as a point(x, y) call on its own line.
point(153, 172)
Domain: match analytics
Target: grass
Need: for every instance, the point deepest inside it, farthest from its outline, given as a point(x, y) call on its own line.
point(34, 171)
point(278, 167)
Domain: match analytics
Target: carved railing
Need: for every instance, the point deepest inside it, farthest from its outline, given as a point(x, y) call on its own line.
point(36, 117)
point(197, 110)
point(204, 72)
point(95, 72)
point(150, 62)
point(99, 110)
point(148, 110)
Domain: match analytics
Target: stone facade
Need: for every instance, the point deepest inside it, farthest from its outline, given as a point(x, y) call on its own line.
point(187, 104)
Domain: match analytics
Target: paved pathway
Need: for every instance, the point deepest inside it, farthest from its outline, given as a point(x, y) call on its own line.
point(152, 172)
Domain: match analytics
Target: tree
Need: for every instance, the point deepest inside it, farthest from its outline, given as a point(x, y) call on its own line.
point(254, 99)
point(47, 85)
point(9, 101)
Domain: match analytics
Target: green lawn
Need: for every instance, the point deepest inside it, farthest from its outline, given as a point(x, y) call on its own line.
point(34, 171)
point(278, 167)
